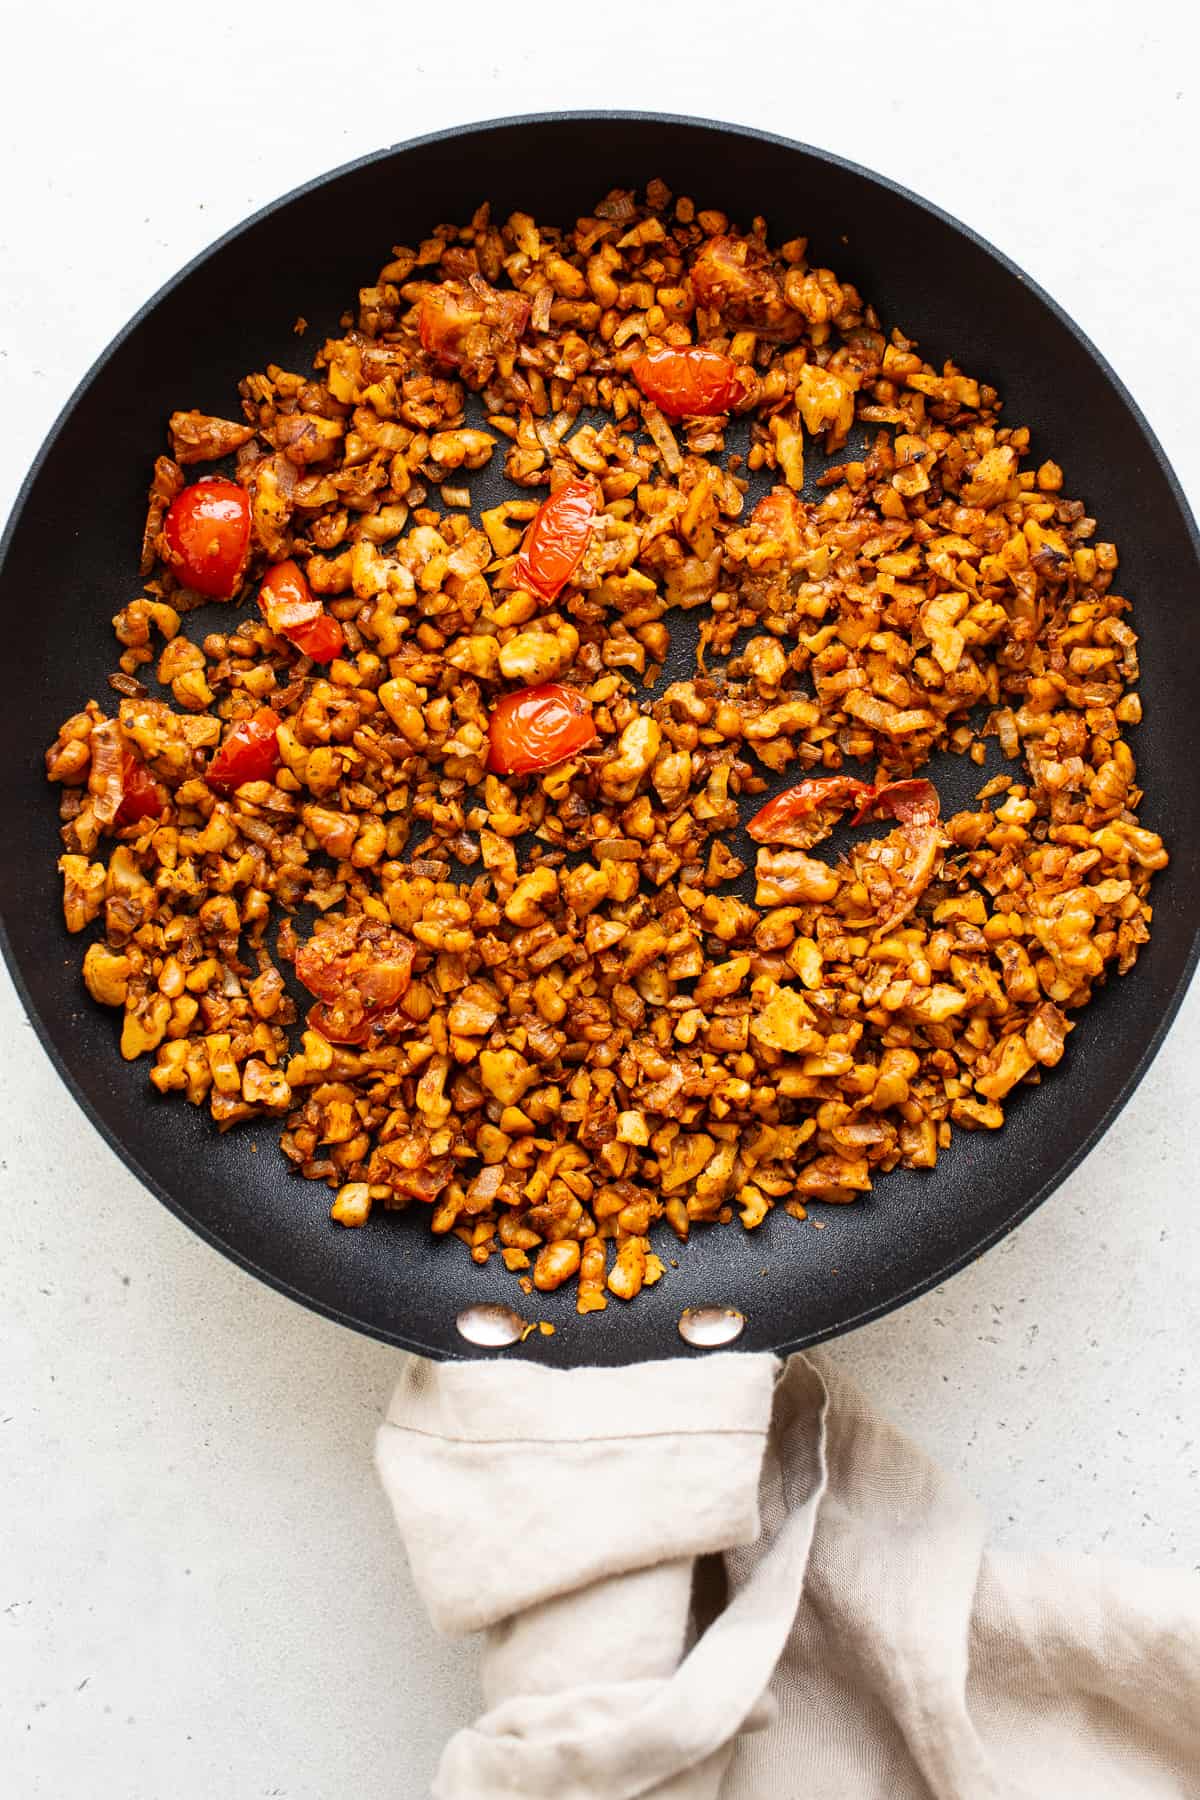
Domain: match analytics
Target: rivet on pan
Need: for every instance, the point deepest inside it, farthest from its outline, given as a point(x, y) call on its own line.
point(707, 1327)
point(491, 1327)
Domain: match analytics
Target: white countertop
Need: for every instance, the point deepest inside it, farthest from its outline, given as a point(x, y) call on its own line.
point(201, 1595)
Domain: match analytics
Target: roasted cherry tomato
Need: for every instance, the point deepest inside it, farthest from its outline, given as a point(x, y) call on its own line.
point(913, 802)
point(359, 969)
point(207, 531)
point(141, 797)
point(285, 599)
point(778, 820)
point(537, 727)
point(322, 640)
point(249, 753)
point(689, 383)
point(320, 963)
point(359, 953)
point(556, 540)
point(293, 611)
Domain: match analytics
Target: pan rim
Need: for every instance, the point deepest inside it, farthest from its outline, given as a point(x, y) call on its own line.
point(1133, 1076)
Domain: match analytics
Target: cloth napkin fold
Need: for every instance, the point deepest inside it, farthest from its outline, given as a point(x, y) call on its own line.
point(867, 1646)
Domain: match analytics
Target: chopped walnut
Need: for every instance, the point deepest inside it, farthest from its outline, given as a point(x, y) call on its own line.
point(198, 437)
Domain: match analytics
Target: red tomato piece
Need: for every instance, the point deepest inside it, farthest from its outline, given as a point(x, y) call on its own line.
point(320, 963)
point(345, 1021)
point(537, 727)
point(334, 1026)
point(688, 383)
point(912, 802)
point(358, 953)
point(322, 640)
point(359, 971)
point(141, 797)
point(285, 598)
point(293, 611)
point(382, 974)
point(556, 540)
point(781, 818)
point(207, 532)
point(249, 753)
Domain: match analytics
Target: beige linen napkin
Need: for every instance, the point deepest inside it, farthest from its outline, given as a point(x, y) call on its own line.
point(870, 1647)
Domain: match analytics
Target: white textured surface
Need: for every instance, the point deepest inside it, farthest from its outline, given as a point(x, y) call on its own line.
point(200, 1593)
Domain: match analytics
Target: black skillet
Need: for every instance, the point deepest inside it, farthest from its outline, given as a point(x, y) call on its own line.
point(69, 559)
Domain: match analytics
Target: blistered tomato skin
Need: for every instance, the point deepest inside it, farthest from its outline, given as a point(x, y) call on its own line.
point(537, 728)
point(689, 383)
point(249, 753)
point(207, 534)
point(141, 797)
point(913, 802)
point(556, 540)
point(293, 611)
point(330, 963)
point(322, 640)
point(772, 824)
point(285, 598)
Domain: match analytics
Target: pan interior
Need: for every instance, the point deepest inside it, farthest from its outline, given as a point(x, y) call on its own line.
point(72, 543)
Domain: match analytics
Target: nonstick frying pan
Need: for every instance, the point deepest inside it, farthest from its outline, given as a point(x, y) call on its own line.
point(69, 559)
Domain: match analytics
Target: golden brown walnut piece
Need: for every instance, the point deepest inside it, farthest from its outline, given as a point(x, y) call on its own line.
point(536, 1006)
point(199, 437)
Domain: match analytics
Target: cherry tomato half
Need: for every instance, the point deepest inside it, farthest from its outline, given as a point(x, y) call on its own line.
point(320, 963)
point(556, 540)
point(322, 640)
point(207, 532)
point(372, 958)
point(776, 822)
point(780, 821)
point(141, 796)
point(249, 753)
point(359, 970)
point(537, 727)
point(688, 383)
point(913, 802)
point(285, 598)
point(293, 611)
point(346, 1021)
